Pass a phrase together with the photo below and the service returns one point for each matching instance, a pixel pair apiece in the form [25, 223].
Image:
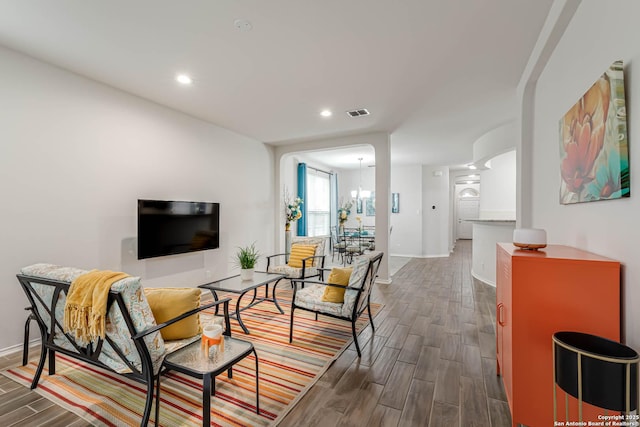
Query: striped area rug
[287, 371]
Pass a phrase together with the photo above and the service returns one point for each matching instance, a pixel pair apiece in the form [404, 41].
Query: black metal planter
[595, 370]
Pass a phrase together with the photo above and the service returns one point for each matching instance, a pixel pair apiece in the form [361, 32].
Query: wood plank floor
[430, 362]
[20, 406]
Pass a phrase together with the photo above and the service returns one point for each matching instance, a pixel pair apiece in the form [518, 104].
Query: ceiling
[436, 74]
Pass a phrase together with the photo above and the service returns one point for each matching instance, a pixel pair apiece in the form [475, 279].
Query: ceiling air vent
[358, 113]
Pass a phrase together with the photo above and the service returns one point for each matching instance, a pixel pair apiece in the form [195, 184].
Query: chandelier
[360, 193]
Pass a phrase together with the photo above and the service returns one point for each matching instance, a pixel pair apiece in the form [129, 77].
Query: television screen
[168, 228]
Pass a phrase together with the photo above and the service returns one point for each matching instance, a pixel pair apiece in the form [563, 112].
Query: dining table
[357, 240]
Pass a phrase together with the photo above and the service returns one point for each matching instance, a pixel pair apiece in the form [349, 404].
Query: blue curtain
[302, 193]
[333, 179]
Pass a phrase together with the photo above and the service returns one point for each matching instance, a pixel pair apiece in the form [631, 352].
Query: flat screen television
[169, 227]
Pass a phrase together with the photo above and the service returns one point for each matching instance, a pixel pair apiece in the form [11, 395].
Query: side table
[598, 371]
[192, 361]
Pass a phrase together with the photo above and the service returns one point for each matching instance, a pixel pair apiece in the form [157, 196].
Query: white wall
[498, 188]
[485, 237]
[436, 211]
[594, 38]
[76, 155]
[406, 237]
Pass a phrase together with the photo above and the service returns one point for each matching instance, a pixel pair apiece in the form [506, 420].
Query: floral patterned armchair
[133, 345]
[357, 295]
[311, 266]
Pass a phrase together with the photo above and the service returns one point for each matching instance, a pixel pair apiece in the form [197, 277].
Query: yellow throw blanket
[85, 310]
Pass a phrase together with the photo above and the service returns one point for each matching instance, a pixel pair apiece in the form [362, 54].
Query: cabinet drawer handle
[501, 314]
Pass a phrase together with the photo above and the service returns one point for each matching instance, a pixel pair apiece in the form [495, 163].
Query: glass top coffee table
[192, 360]
[236, 285]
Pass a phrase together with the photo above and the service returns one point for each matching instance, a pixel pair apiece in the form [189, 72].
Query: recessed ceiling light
[184, 79]
[472, 167]
[473, 176]
[326, 113]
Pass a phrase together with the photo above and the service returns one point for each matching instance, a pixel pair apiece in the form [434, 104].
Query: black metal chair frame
[362, 301]
[319, 265]
[336, 238]
[91, 352]
[25, 344]
[355, 243]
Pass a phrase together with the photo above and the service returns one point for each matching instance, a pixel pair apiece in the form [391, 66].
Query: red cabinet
[558, 288]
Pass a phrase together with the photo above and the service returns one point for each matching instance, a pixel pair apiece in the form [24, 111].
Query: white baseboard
[483, 279]
[384, 282]
[437, 256]
[17, 347]
[421, 256]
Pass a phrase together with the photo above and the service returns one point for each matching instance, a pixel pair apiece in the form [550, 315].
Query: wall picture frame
[358, 205]
[395, 202]
[371, 205]
[594, 153]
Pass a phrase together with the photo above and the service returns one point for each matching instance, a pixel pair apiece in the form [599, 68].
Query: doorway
[467, 208]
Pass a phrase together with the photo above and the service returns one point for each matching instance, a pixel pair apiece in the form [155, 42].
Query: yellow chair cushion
[338, 276]
[298, 252]
[167, 303]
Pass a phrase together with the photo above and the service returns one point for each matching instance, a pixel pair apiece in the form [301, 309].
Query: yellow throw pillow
[167, 303]
[298, 252]
[338, 276]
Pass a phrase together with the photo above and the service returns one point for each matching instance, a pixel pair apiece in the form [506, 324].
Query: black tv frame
[172, 227]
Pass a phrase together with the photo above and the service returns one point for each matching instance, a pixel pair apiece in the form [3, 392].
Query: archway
[381, 145]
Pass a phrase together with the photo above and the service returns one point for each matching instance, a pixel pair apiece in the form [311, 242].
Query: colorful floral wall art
[594, 155]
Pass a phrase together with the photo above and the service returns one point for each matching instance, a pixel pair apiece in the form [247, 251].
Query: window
[318, 203]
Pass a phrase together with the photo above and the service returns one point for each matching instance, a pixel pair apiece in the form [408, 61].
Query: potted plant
[246, 258]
